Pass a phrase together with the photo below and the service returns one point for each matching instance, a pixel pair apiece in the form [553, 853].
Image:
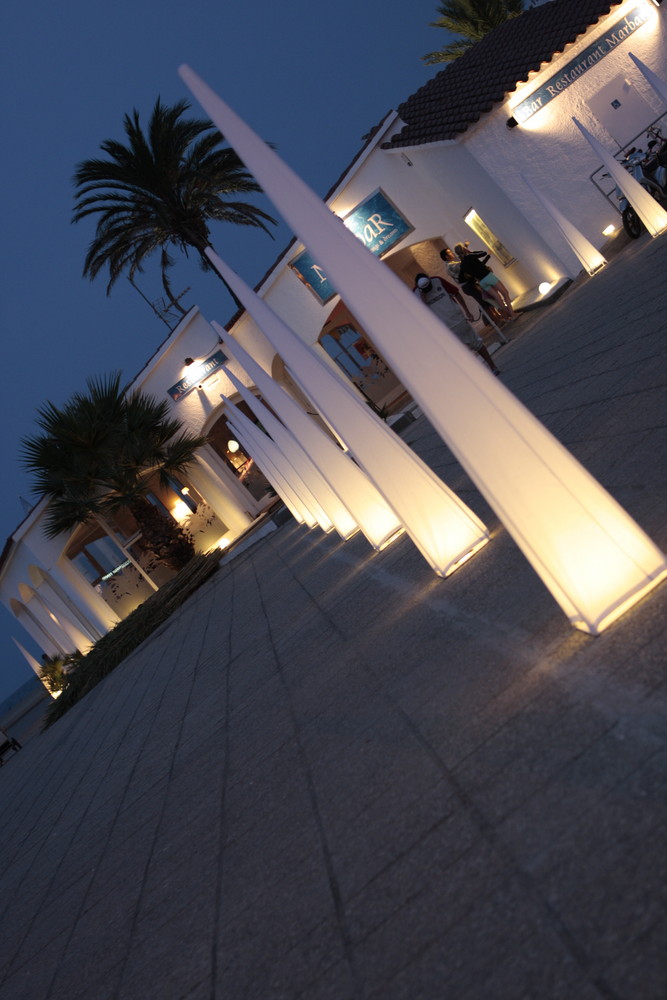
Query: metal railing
[598, 177]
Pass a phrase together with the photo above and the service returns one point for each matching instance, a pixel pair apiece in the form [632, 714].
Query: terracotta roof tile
[470, 86]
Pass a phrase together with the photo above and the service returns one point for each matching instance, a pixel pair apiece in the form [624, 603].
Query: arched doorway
[347, 344]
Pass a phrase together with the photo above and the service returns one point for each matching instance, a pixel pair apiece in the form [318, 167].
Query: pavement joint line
[90, 764]
[334, 886]
[122, 966]
[523, 876]
[112, 826]
[224, 783]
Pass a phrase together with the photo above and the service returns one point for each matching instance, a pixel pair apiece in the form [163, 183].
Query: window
[99, 559]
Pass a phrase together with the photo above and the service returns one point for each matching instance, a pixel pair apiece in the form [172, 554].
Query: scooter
[650, 169]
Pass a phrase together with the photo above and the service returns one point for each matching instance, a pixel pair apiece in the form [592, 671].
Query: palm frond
[159, 189]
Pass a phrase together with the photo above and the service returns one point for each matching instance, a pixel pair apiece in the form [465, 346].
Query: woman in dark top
[473, 267]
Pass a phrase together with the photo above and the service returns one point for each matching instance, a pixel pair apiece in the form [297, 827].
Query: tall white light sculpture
[368, 508]
[658, 85]
[444, 530]
[301, 462]
[590, 256]
[279, 484]
[267, 447]
[594, 558]
[647, 208]
[271, 462]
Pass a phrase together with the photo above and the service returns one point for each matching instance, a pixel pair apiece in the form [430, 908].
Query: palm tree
[160, 190]
[97, 454]
[472, 19]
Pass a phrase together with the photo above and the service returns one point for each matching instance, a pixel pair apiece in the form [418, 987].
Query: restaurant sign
[195, 377]
[590, 57]
[376, 222]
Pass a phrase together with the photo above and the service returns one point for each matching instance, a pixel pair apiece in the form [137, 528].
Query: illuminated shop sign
[194, 377]
[590, 57]
[376, 222]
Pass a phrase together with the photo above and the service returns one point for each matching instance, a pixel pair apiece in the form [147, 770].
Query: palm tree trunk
[128, 555]
[162, 535]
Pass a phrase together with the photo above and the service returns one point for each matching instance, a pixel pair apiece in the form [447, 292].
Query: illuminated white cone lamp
[590, 256]
[656, 83]
[369, 510]
[271, 462]
[444, 530]
[298, 510]
[294, 504]
[281, 463]
[596, 561]
[647, 208]
[303, 465]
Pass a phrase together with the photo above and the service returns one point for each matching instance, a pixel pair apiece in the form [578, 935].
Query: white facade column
[80, 591]
[59, 597]
[42, 635]
[70, 631]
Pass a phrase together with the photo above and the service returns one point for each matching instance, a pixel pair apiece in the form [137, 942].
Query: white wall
[550, 150]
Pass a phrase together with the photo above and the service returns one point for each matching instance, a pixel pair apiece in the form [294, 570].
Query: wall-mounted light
[609, 230]
[544, 287]
[511, 123]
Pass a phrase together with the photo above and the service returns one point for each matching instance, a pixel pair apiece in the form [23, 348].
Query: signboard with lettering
[313, 277]
[376, 222]
[194, 377]
[590, 57]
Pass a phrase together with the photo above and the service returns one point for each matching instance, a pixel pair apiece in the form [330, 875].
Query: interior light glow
[233, 446]
[608, 230]
[180, 510]
[223, 543]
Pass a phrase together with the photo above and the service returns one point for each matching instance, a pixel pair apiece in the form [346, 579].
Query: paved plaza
[333, 776]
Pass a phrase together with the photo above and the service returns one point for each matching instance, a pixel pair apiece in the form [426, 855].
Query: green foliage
[160, 190]
[472, 19]
[109, 651]
[96, 453]
[54, 670]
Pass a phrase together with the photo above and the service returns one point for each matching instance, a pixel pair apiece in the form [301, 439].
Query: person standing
[473, 265]
[446, 301]
[488, 305]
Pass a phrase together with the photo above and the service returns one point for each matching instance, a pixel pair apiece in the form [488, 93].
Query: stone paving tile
[641, 973]
[268, 959]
